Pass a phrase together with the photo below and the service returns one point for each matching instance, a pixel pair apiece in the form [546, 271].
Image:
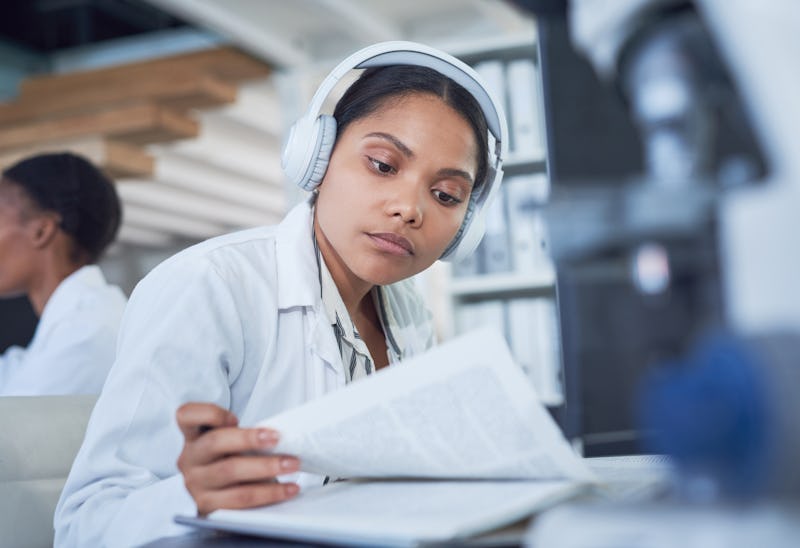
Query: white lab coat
[73, 346]
[237, 321]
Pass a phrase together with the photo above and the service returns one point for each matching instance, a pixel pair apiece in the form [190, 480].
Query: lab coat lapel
[298, 278]
[299, 285]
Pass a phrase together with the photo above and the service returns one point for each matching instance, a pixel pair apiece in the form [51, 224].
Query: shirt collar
[66, 297]
[295, 259]
[387, 317]
[66, 293]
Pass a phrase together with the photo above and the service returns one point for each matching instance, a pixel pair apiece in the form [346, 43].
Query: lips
[392, 243]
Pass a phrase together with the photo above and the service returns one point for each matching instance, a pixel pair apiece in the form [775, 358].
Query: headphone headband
[400, 52]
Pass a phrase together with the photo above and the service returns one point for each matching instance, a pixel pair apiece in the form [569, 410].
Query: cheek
[335, 215]
[339, 187]
[449, 228]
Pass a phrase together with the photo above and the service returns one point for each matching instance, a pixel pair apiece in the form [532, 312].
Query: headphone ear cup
[307, 150]
[326, 137]
[471, 235]
[474, 225]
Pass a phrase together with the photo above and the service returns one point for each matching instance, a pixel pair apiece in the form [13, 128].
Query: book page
[631, 477]
[462, 410]
[400, 512]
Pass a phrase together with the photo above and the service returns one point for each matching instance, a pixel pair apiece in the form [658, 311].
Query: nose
[406, 203]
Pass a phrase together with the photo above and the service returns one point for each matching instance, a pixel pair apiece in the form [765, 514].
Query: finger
[246, 496]
[222, 442]
[243, 469]
[195, 418]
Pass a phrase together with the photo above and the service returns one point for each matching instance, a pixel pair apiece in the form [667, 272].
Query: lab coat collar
[298, 276]
[64, 299]
[298, 281]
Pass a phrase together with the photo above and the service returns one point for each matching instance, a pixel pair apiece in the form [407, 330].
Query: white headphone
[311, 139]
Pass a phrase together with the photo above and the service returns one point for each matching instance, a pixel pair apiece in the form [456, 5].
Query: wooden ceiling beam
[172, 91]
[136, 123]
[117, 159]
[226, 64]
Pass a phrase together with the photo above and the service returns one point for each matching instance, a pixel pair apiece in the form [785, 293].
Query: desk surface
[511, 537]
[601, 524]
[210, 539]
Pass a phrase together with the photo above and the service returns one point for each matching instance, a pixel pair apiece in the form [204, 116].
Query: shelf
[492, 285]
[523, 44]
[525, 163]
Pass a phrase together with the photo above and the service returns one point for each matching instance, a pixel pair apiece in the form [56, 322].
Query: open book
[457, 437]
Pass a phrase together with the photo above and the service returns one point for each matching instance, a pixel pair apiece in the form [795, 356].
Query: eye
[381, 167]
[446, 198]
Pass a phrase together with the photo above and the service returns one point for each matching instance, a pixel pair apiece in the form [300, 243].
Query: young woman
[58, 214]
[247, 325]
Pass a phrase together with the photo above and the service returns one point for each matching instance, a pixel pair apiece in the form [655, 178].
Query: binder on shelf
[472, 315]
[527, 228]
[513, 258]
[533, 337]
[496, 244]
[493, 73]
[524, 117]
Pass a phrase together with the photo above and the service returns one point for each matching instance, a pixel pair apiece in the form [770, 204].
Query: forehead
[414, 100]
[421, 115]
[14, 197]
[8, 191]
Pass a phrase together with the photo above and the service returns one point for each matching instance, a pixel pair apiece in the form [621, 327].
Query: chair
[39, 438]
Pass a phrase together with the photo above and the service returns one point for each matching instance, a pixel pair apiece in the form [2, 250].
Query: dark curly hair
[81, 194]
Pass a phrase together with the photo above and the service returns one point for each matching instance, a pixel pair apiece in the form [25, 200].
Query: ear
[43, 230]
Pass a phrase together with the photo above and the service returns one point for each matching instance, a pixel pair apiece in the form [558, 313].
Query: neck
[352, 289]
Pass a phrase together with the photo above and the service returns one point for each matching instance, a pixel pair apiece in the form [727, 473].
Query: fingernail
[289, 465]
[267, 437]
[290, 489]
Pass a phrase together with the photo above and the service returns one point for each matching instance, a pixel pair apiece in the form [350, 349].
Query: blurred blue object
[712, 413]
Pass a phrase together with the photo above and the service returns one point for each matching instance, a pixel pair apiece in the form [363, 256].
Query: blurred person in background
[58, 214]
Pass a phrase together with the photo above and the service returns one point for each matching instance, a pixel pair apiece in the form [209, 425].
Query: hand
[218, 469]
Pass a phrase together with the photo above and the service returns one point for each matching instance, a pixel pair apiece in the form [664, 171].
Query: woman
[58, 214]
[250, 324]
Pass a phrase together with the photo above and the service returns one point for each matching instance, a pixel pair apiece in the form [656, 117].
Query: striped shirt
[355, 355]
[406, 322]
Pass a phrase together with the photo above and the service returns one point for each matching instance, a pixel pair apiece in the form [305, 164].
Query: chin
[386, 279]
[387, 274]
[384, 275]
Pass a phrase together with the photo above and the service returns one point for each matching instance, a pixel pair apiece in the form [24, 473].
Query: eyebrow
[401, 146]
[451, 172]
[408, 153]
